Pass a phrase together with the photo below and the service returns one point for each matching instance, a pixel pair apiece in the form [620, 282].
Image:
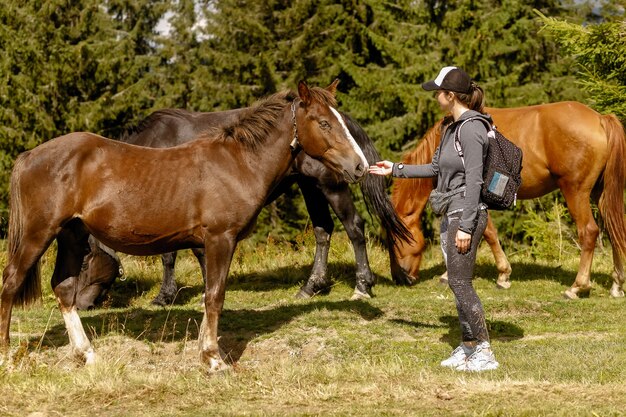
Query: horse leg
[341, 202]
[617, 289]
[199, 254]
[21, 278]
[72, 247]
[221, 250]
[323, 226]
[167, 293]
[502, 263]
[580, 210]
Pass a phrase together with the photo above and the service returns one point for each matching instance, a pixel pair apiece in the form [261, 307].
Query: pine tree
[71, 65]
[100, 66]
[600, 52]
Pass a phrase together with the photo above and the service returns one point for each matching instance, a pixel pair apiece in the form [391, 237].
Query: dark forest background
[102, 66]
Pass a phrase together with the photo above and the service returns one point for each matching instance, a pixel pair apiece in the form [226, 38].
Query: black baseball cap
[450, 79]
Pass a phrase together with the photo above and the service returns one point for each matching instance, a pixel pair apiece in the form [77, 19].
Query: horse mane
[407, 191]
[423, 153]
[374, 187]
[254, 124]
[323, 96]
[151, 120]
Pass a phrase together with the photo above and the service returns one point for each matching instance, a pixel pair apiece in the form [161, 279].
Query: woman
[459, 172]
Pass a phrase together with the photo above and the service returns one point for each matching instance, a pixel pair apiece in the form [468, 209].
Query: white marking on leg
[78, 338]
[210, 352]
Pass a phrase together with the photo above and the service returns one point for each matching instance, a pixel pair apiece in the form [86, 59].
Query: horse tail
[30, 291]
[374, 189]
[611, 202]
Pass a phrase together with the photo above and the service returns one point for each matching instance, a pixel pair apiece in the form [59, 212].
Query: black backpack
[501, 169]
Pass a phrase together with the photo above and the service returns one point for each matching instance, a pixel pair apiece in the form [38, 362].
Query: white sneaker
[458, 357]
[482, 359]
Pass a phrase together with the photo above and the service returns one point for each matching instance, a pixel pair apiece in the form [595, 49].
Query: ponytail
[475, 99]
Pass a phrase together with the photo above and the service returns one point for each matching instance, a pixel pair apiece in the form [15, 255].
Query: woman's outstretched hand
[381, 168]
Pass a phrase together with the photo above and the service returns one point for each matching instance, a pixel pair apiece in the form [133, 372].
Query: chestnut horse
[567, 146]
[82, 184]
[320, 187]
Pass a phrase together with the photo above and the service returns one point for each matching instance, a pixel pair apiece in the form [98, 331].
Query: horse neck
[270, 161]
[409, 196]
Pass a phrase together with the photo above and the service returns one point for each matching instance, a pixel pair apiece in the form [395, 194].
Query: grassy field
[326, 355]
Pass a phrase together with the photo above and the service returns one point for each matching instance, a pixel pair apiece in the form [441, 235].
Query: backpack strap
[457, 142]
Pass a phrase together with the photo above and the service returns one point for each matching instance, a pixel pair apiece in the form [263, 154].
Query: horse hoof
[503, 285]
[217, 366]
[616, 292]
[162, 300]
[216, 363]
[570, 295]
[360, 295]
[402, 278]
[158, 302]
[90, 357]
[443, 280]
[576, 293]
[302, 294]
[309, 290]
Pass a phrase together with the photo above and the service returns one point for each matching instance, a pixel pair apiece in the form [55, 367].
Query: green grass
[327, 355]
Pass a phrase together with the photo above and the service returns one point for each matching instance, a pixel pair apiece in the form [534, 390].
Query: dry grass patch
[327, 356]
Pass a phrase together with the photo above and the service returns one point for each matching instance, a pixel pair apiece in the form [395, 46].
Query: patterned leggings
[460, 273]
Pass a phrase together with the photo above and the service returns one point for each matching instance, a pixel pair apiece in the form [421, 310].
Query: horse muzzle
[355, 175]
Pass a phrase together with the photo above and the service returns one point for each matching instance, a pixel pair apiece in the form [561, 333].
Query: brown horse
[567, 146]
[82, 184]
[321, 188]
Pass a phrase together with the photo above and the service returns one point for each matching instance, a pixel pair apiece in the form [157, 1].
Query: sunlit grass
[327, 355]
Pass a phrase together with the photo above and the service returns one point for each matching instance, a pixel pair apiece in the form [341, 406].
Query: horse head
[323, 134]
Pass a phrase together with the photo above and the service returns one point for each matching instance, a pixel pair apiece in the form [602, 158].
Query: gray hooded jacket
[449, 170]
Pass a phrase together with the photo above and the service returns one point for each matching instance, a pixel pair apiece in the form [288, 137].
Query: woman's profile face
[445, 100]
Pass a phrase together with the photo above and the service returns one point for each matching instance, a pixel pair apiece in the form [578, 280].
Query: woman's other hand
[381, 168]
[463, 241]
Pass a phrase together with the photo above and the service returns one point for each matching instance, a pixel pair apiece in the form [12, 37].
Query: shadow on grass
[498, 330]
[236, 327]
[521, 272]
[123, 293]
[529, 271]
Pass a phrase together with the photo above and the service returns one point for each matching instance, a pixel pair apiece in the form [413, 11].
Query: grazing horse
[82, 183]
[319, 185]
[567, 146]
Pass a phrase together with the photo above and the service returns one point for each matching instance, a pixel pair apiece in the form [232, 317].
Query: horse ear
[332, 88]
[305, 94]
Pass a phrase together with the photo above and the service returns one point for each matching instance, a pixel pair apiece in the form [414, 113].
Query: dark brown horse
[82, 184]
[566, 146]
[320, 187]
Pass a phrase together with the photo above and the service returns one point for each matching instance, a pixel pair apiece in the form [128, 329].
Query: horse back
[171, 127]
[83, 169]
[560, 141]
[109, 184]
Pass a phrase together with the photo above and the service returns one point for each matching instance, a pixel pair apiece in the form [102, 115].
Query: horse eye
[324, 125]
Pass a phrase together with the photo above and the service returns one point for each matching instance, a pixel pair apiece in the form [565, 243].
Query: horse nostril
[360, 170]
